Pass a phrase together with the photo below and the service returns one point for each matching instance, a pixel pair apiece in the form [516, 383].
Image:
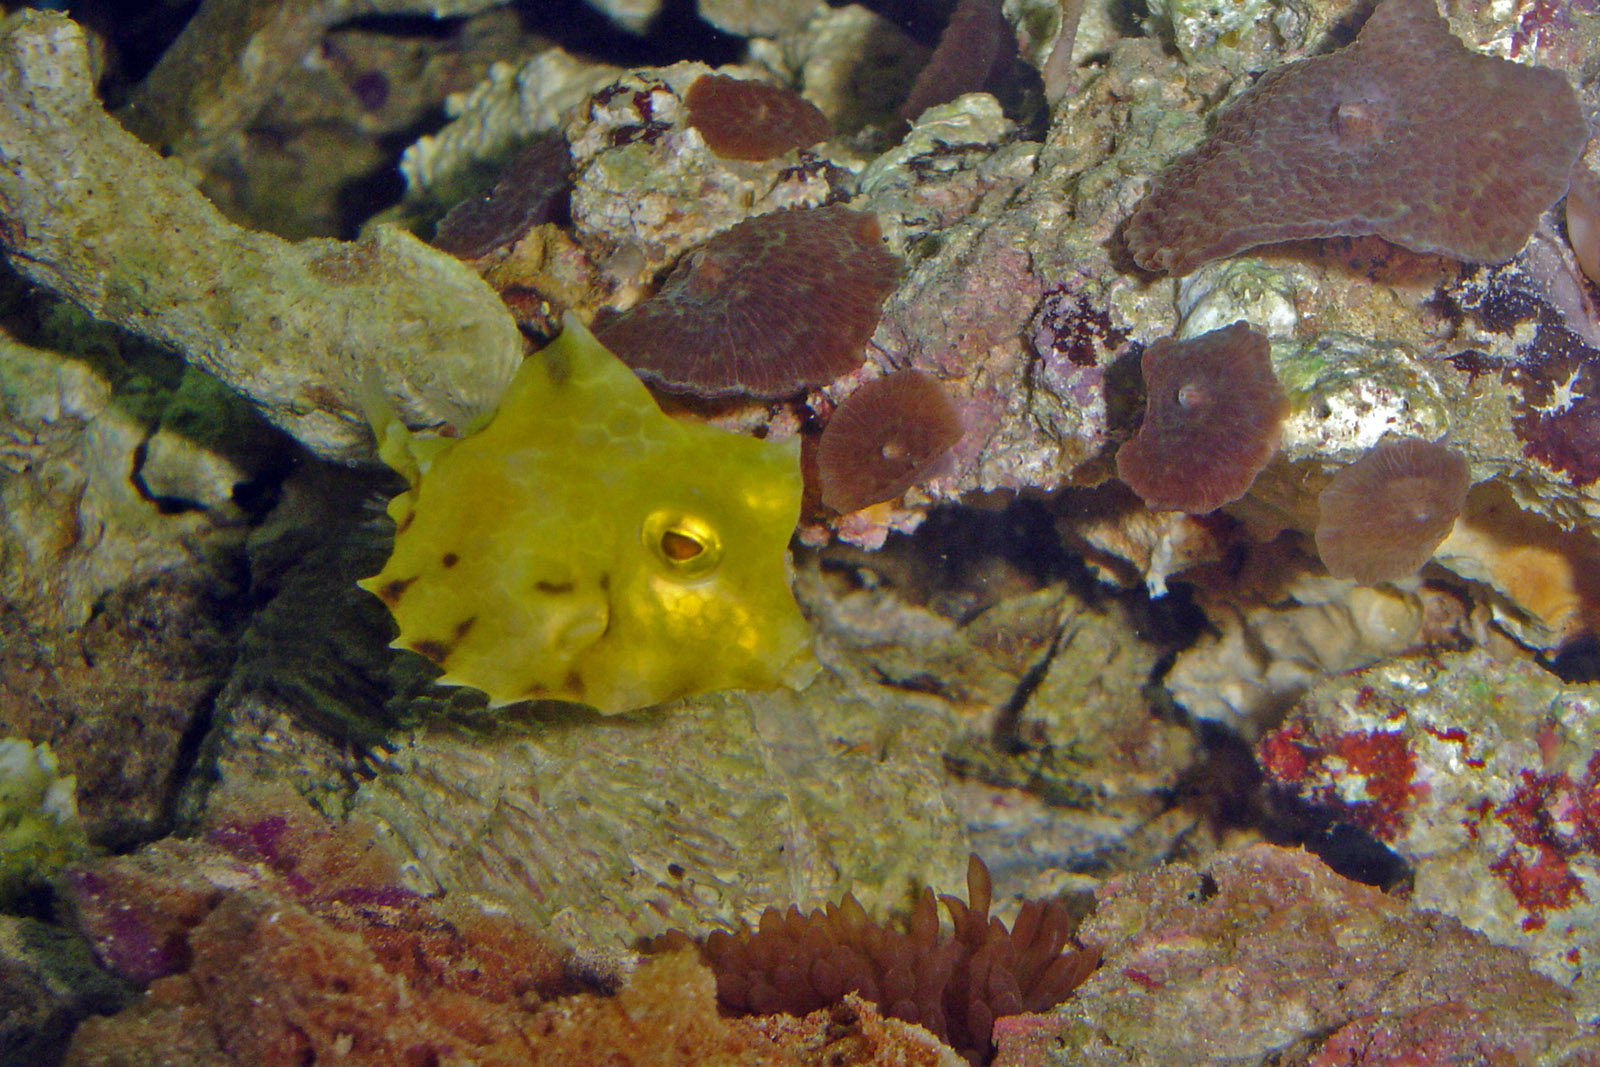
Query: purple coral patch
[1556, 373]
[1405, 134]
[1069, 326]
[775, 305]
[1212, 420]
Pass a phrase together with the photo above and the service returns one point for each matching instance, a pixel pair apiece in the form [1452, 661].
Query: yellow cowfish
[584, 546]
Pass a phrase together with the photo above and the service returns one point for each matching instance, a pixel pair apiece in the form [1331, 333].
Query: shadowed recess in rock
[953, 982]
[1383, 515]
[1405, 134]
[886, 437]
[775, 305]
[742, 119]
[1213, 416]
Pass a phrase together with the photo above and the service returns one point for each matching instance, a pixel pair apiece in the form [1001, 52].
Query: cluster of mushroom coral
[768, 310]
[1346, 144]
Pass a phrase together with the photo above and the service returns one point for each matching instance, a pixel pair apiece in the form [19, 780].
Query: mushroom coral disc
[584, 546]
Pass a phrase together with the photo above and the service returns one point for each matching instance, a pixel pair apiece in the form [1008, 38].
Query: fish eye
[685, 544]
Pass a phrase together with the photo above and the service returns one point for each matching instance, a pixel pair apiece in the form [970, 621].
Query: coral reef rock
[96, 216]
[1265, 951]
[1480, 773]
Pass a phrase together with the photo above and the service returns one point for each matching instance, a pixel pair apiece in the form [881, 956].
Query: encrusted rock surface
[1481, 773]
[97, 217]
[1265, 953]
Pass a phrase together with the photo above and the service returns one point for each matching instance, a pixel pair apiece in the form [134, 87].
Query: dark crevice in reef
[677, 33]
[1227, 788]
[137, 33]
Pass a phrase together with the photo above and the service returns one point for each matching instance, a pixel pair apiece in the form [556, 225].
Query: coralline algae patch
[1484, 775]
[1553, 371]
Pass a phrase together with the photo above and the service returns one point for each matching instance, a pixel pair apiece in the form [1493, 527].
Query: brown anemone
[884, 438]
[1383, 515]
[1212, 420]
[955, 982]
[773, 306]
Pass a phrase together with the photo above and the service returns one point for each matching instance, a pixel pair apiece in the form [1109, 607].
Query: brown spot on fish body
[553, 588]
[464, 627]
[448, 560]
[437, 651]
[391, 592]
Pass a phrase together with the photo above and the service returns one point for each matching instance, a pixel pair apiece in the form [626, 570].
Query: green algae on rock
[1405, 134]
[39, 827]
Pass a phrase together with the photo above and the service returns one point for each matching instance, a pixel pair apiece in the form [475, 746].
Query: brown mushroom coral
[976, 47]
[531, 189]
[1405, 134]
[955, 983]
[884, 438]
[1213, 416]
[1383, 515]
[1583, 220]
[775, 305]
[742, 119]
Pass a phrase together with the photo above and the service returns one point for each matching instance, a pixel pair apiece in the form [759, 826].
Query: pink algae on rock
[884, 438]
[1405, 134]
[742, 119]
[1383, 515]
[777, 304]
[1212, 420]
